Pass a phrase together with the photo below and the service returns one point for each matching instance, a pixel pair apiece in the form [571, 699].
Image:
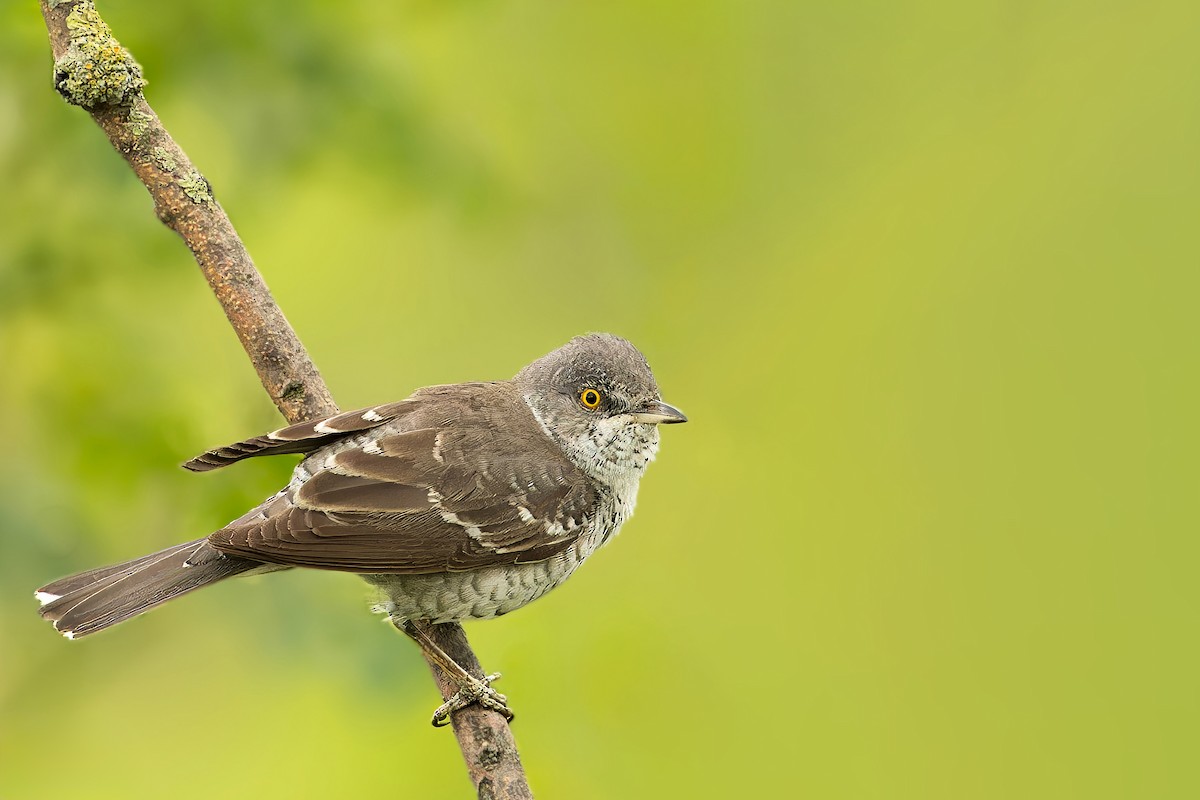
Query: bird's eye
[590, 399]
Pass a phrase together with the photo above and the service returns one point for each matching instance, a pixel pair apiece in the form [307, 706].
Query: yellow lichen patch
[96, 69]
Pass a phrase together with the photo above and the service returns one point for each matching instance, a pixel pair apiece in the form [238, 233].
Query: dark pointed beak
[656, 411]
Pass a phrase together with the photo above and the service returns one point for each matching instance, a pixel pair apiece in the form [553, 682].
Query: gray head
[597, 397]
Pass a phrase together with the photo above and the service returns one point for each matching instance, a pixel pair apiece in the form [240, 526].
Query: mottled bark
[93, 71]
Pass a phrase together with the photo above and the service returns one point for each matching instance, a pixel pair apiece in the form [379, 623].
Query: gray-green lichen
[164, 160]
[95, 70]
[197, 188]
[138, 122]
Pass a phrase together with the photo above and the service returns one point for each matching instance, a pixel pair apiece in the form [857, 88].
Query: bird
[460, 502]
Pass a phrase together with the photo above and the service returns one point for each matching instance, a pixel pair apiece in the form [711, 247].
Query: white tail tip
[45, 597]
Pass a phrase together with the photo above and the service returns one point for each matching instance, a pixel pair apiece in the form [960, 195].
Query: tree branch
[92, 70]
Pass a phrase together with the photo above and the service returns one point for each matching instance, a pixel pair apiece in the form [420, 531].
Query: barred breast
[475, 594]
[492, 591]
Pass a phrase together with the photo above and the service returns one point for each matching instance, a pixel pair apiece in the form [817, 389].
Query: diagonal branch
[92, 70]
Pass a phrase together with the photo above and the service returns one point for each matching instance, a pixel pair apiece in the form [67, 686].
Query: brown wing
[478, 484]
[303, 437]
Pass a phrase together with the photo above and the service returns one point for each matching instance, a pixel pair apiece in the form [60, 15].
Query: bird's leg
[470, 689]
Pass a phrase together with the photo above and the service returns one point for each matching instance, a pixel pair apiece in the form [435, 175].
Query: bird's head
[597, 398]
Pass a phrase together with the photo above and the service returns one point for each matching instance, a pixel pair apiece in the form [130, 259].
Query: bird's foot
[472, 690]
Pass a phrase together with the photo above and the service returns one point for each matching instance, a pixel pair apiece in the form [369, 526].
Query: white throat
[614, 451]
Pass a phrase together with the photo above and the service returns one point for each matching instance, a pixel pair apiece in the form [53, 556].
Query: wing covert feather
[445, 487]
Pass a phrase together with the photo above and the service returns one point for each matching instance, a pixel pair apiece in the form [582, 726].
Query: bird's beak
[657, 411]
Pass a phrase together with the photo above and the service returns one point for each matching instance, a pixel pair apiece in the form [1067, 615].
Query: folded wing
[303, 437]
[453, 496]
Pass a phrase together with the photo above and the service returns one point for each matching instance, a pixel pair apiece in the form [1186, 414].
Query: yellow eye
[590, 399]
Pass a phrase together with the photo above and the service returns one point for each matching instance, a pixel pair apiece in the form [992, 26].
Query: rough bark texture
[93, 71]
[483, 736]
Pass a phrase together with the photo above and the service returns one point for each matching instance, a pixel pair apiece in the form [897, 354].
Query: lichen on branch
[92, 70]
[95, 70]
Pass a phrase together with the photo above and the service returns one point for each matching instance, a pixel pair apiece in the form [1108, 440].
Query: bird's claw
[473, 691]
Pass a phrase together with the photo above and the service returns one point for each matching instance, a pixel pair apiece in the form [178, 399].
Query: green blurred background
[923, 274]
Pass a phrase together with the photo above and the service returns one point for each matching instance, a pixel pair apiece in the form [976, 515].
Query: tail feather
[97, 599]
